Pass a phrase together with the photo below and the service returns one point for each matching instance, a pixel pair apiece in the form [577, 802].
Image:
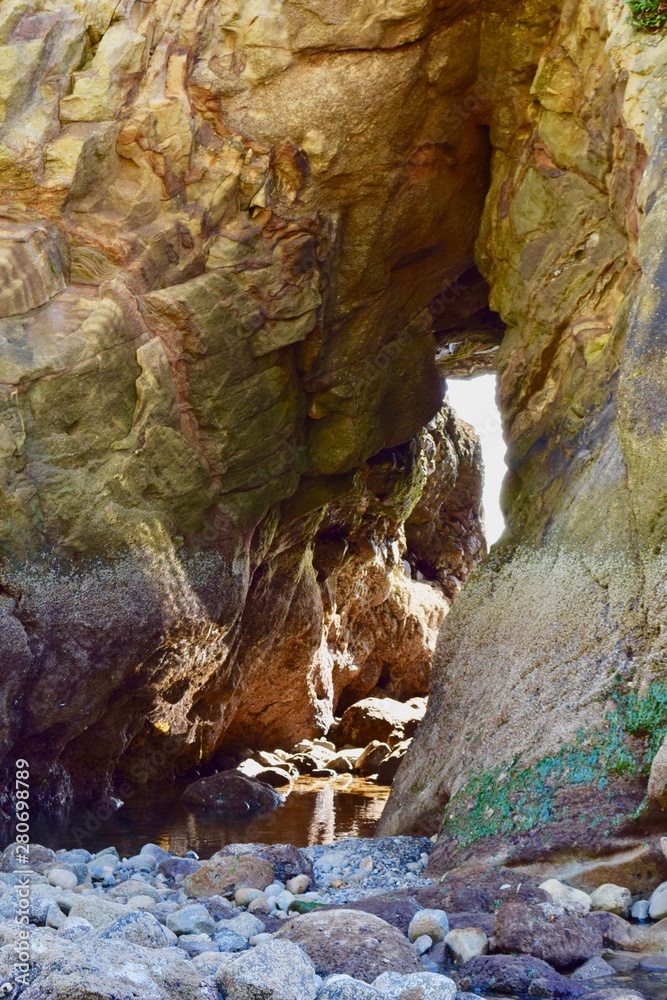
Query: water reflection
[315, 812]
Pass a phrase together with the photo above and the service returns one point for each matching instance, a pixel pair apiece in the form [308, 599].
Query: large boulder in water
[232, 792]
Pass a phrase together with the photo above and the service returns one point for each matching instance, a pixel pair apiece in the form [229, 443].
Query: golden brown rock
[550, 694]
[222, 225]
[222, 876]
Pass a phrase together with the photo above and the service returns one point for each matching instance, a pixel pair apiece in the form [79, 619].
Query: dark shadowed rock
[372, 757]
[219, 908]
[38, 859]
[594, 968]
[178, 868]
[396, 910]
[514, 975]
[356, 944]
[477, 887]
[232, 792]
[275, 776]
[563, 940]
[388, 767]
[471, 918]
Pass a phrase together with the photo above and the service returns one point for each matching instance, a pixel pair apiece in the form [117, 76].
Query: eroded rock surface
[550, 698]
[221, 228]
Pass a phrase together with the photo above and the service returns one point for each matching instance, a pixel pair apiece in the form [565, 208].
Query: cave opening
[474, 400]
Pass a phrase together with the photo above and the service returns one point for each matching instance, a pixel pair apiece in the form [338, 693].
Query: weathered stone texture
[550, 688]
[221, 227]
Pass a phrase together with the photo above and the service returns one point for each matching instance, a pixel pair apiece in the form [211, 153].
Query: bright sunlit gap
[474, 401]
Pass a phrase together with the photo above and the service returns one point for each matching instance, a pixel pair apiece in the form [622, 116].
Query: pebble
[156, 852]
[431, 922]
[594, 968]
[62, 878]
[422, 944]
[391, 856]
[639, 910]
[245, 896]
[259, 939]
[245, 924]
[572, 900]
[141, 902]
[284, 899]
[260, 906]
[141, 862]
[419, 986]
[657, 904]
[274, 889]
[191, 920]
[196, 944]
[228, 940]
[466, 943]
[298, 885]
[612, 899]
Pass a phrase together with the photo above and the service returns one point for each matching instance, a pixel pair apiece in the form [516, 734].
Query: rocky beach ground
[359, 919]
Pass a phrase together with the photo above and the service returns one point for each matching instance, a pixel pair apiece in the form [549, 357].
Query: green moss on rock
[510, 798]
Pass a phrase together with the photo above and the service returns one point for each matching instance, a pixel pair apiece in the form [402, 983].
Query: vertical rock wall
[550, 697]
[221, 226]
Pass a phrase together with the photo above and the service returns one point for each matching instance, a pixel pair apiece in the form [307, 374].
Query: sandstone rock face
[549, 699]
[221, 228]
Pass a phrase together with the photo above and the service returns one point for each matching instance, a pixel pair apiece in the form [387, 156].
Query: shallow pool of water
[315, 812]
[653, 985]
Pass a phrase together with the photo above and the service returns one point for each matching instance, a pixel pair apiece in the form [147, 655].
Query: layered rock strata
[550, 699]
[222, 226]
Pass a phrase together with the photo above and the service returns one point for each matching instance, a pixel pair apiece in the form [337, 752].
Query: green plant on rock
[648, 15]
[510, 798]
[647, 717]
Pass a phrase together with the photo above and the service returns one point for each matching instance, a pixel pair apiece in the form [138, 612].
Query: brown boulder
[276, 777]
[372, 757]
[516, 975]
[397, 910]
[223, 875]
[357, 944]
[473, 918]
[285, 859]
[233, 792]
[619, 933]
[477, 887]
[379, 719]
[563, 941]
